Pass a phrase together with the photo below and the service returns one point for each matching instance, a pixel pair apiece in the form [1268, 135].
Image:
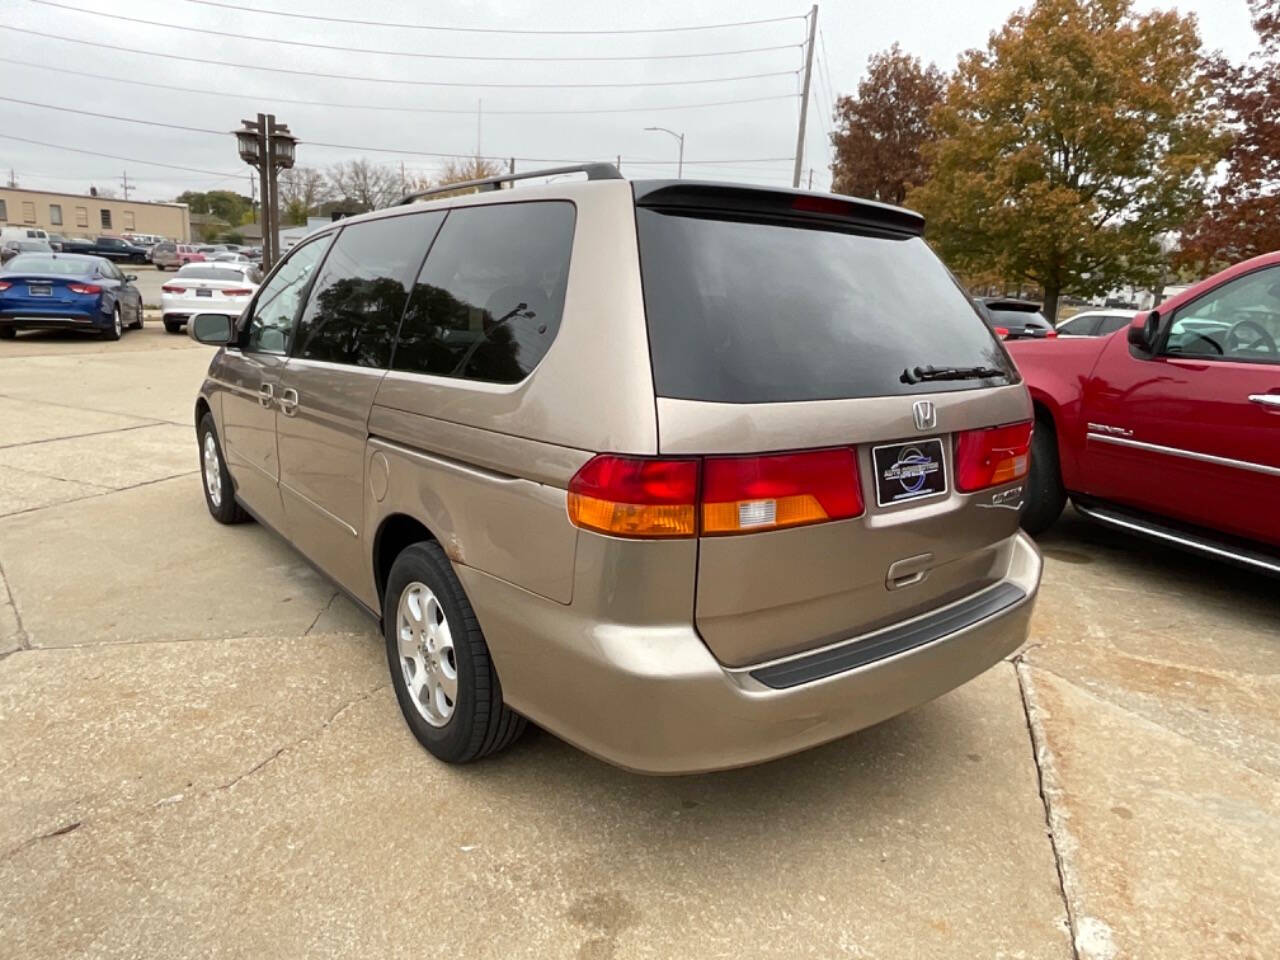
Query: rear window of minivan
[750, 312]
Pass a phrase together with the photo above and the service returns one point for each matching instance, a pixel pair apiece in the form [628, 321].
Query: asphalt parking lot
[200, 753]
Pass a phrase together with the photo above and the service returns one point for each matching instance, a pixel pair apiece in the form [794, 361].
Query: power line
[363, 147]
[512, 32]
[468, 111]
[221, 174]
[399, 82]
[406, 53]
[112, 116]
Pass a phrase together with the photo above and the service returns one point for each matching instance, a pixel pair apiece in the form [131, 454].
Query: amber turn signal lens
[988, 458]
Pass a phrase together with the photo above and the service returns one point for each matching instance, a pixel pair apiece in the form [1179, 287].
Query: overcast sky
[759, 137]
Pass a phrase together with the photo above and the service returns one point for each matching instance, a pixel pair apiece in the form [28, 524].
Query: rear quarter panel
[1056, 373]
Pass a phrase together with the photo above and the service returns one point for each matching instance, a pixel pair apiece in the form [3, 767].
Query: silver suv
[691, 474]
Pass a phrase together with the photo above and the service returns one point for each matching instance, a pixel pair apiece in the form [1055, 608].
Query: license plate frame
[909, 471]
[40, 289]
[203, 292]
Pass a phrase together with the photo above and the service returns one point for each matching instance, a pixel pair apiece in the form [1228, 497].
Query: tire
[137, 325]
[1045, 495]
[475, 722]
[219, 493]
[116, 330]
[173, 326]
[7, 333]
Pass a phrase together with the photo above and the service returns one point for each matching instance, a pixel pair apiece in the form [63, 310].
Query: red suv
[1171, 430]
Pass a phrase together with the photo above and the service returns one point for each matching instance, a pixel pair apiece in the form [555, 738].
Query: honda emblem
[924, 414]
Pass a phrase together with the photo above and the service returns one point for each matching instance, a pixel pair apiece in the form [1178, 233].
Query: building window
[4, 211]
[82, 216]
[28, 211]
[128, 219]
[55, 214]
[106, 218]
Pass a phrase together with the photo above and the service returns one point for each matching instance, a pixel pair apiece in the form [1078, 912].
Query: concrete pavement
[200, 754]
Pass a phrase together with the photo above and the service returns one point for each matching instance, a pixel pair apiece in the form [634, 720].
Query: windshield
[211, 273]
[34, 263]
[743, 312]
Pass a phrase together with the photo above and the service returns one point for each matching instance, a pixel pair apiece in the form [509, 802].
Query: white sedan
[1095, 323]
[207, 288]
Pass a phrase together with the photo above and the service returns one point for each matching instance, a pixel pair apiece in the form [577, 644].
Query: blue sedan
[67, 291]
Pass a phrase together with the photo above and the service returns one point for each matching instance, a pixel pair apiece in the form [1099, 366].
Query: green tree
[1079, 134]
[881, 132]
[224, 204]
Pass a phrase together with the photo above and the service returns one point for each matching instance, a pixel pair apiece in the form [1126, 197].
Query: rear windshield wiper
[921, 374]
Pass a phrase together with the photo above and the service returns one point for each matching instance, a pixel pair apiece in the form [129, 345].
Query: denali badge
[924, 415]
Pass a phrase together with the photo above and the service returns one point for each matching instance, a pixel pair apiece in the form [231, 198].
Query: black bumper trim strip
[859, 653]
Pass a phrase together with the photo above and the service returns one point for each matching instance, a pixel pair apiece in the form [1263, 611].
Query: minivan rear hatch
[782, 323]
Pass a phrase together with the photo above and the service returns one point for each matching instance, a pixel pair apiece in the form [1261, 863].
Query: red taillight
[237, 293]
[1002, 332]
[742, 494]
[173, 288]
[4, 285]
[644, 497]
[84, 288]
[987, 458]
[1050, 334]
[636, 497]
[809, 203]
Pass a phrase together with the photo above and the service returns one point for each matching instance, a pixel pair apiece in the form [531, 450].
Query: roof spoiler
[594, 171]
[757, 203]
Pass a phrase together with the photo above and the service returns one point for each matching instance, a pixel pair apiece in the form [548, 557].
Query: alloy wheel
[212, 470]
[427, 656]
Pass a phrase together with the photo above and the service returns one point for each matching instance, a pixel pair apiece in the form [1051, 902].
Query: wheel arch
[395, 532]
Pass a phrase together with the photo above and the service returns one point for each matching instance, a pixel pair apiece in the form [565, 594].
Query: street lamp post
[269, 147]
[679, 137]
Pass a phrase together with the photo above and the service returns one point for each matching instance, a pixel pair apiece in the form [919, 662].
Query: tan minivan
[690, 474]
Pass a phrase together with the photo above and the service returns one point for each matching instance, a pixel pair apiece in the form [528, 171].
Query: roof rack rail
[594, 171]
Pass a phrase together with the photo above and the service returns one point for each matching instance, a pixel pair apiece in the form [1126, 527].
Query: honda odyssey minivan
[692, 475]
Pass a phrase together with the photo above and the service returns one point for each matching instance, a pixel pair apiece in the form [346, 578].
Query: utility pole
[804, 101]
[253, 198]
[124, 183]
[618, 164]
[811, 178]
[13, 179]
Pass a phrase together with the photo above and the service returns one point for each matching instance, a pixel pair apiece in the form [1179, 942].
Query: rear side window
[488, 302]
[1112, 324]
[744, 312]
[1080, 326]
[361, 291]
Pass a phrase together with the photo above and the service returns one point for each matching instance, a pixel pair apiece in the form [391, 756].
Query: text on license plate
[204, 293]
[909, 471]
[40, 289]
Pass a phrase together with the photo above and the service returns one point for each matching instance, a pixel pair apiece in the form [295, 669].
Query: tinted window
[35, 263]
[1079, 326]
[1019, 319]
[357, 300]
[211, 273]
[1110, 324]
[487, 304]
[276, 307]
[750, 312]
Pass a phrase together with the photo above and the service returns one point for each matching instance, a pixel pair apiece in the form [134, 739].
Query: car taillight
[1002, 332]
[743, 494]
[4, 285]
[173, 288]
[1050, 334]
[237, 293]
[84, 288]
[989, 457]
[635, 497]
[646, 497]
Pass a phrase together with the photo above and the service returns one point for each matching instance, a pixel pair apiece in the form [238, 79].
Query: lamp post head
[282, 146]
[247, 143]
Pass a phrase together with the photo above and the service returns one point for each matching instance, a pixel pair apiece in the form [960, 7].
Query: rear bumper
[67, 319]
[653, 699]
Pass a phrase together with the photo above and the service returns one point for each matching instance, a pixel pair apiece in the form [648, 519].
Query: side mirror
[215, 329]
[1142, 331]
[131, 276]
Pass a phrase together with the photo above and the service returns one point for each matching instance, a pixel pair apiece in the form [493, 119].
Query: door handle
[266, 393]
[288, 401]
[1266, 399]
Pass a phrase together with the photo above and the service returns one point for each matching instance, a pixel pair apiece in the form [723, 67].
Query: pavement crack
[323, 611]
[32, 841]
[94, 496]
[24, 639]
[80, 436]
[1039, 753]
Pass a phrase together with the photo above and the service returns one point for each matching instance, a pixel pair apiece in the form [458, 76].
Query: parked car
[169, 255]
[1171, 430]
[1095, 323]
[222, 288]
[1015, 319]
[693, 475]
[210, 249]
[228, 257]
[11, 248]
[22, 233]
[68, 291]
[111, 248]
